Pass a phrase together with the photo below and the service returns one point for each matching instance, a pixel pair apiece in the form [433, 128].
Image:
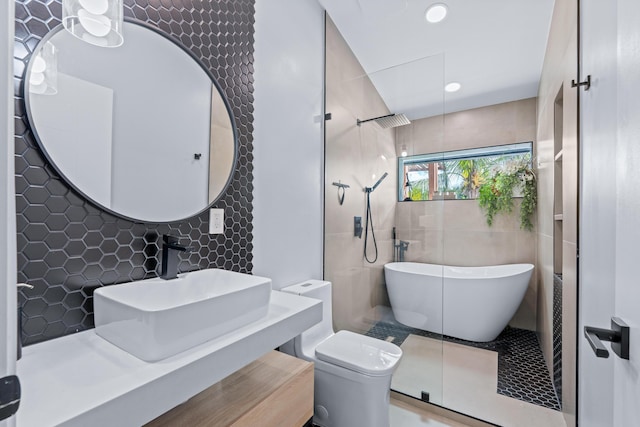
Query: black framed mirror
[142, 130]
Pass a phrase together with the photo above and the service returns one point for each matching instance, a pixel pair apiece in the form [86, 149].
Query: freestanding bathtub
[471, 303]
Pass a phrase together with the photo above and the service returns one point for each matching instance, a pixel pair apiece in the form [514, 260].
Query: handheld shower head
[369, 220]
[370, 189]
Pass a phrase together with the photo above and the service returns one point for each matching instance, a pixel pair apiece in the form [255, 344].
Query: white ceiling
[494, 48]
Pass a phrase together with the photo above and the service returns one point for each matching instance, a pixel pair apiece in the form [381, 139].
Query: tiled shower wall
[67, 247]
[559, 68]
[455, 232]
[356, 156]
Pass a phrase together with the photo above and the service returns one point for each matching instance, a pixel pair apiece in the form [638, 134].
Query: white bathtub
[471, 303]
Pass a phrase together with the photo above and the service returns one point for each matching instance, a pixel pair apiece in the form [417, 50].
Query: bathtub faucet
[399, 250]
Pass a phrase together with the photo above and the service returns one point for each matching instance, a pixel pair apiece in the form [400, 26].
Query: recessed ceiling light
[436, 12]
[453, 87]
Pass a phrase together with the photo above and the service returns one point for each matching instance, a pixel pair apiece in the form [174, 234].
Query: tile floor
[522, 372]
[467, 379]
[402, 414]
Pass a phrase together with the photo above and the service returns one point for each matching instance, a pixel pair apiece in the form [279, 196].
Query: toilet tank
[304, 345]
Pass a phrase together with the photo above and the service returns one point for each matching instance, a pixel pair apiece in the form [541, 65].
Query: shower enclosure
[423, 169]
[362, 151]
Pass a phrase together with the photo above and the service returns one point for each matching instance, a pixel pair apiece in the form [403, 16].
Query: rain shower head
[388, 121]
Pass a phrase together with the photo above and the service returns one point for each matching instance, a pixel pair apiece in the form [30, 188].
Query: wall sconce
[43, 78]
[98, 22]
[403, 149]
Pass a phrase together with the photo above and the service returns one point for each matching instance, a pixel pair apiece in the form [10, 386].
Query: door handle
[9, 396]
[618, 335]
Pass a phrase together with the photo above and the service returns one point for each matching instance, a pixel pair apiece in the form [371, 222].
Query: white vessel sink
[153, 319]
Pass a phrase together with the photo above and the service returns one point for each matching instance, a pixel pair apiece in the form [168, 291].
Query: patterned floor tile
[522, 372]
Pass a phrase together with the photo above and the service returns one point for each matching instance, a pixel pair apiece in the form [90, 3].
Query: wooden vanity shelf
[273, 391]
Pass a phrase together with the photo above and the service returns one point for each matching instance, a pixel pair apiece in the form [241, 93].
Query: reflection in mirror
[142, 130]
[455, 175]
[44, 72]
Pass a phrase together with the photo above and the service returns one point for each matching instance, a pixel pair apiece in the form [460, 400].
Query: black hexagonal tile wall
[67, 247]
[557, 334]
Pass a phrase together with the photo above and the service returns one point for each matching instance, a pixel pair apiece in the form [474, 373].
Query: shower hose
[369, 219]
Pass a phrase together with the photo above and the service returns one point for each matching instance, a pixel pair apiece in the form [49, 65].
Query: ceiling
[494, 48]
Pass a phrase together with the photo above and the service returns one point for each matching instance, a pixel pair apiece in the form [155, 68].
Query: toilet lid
[359, 353]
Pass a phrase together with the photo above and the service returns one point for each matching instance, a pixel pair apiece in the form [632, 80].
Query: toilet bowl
[352, 372]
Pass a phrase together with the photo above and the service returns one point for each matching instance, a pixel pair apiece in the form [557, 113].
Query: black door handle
[618, 335]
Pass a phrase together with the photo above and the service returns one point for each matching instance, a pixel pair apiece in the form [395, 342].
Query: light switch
[216, 221]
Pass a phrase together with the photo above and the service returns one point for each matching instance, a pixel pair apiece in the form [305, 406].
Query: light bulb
[436, 13]
[36, 78]
[97, 41]
[403, 153]
[39, 65]
[97, 25]
[453, 87]
[96, 7]
[38, 89]
[98, 22]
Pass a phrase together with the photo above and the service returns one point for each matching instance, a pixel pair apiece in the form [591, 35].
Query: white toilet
[352, 371]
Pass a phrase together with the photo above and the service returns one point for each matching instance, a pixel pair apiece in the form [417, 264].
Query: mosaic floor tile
[557, 334]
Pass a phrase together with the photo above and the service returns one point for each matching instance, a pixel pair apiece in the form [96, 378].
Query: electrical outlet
[216, 221]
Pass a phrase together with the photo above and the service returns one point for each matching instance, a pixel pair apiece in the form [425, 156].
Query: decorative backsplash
[67, 247]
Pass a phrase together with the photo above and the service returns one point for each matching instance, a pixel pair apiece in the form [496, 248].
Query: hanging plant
[496, 194]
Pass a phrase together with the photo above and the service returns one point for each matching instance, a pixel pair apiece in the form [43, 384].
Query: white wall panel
[288, 141]
[627, 295]
[598, 204]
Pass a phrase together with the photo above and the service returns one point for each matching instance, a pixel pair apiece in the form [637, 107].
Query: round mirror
[142, 130]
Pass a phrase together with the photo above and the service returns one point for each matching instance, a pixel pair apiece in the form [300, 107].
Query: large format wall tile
[455, 232]
[356, 156]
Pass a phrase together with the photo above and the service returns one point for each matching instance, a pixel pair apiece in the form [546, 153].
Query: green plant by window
[496, 194]
[457, 174]
[420, 190]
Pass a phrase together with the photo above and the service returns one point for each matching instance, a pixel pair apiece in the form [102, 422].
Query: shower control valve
[357, 226]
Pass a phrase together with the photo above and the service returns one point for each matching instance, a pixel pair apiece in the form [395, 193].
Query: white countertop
[82, 380]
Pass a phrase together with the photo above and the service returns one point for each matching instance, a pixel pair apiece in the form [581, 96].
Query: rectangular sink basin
[154, 319]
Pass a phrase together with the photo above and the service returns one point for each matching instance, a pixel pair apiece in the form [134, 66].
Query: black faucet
[400, 249]
[170, 249]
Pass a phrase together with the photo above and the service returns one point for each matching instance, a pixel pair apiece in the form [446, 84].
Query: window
[455, 174]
